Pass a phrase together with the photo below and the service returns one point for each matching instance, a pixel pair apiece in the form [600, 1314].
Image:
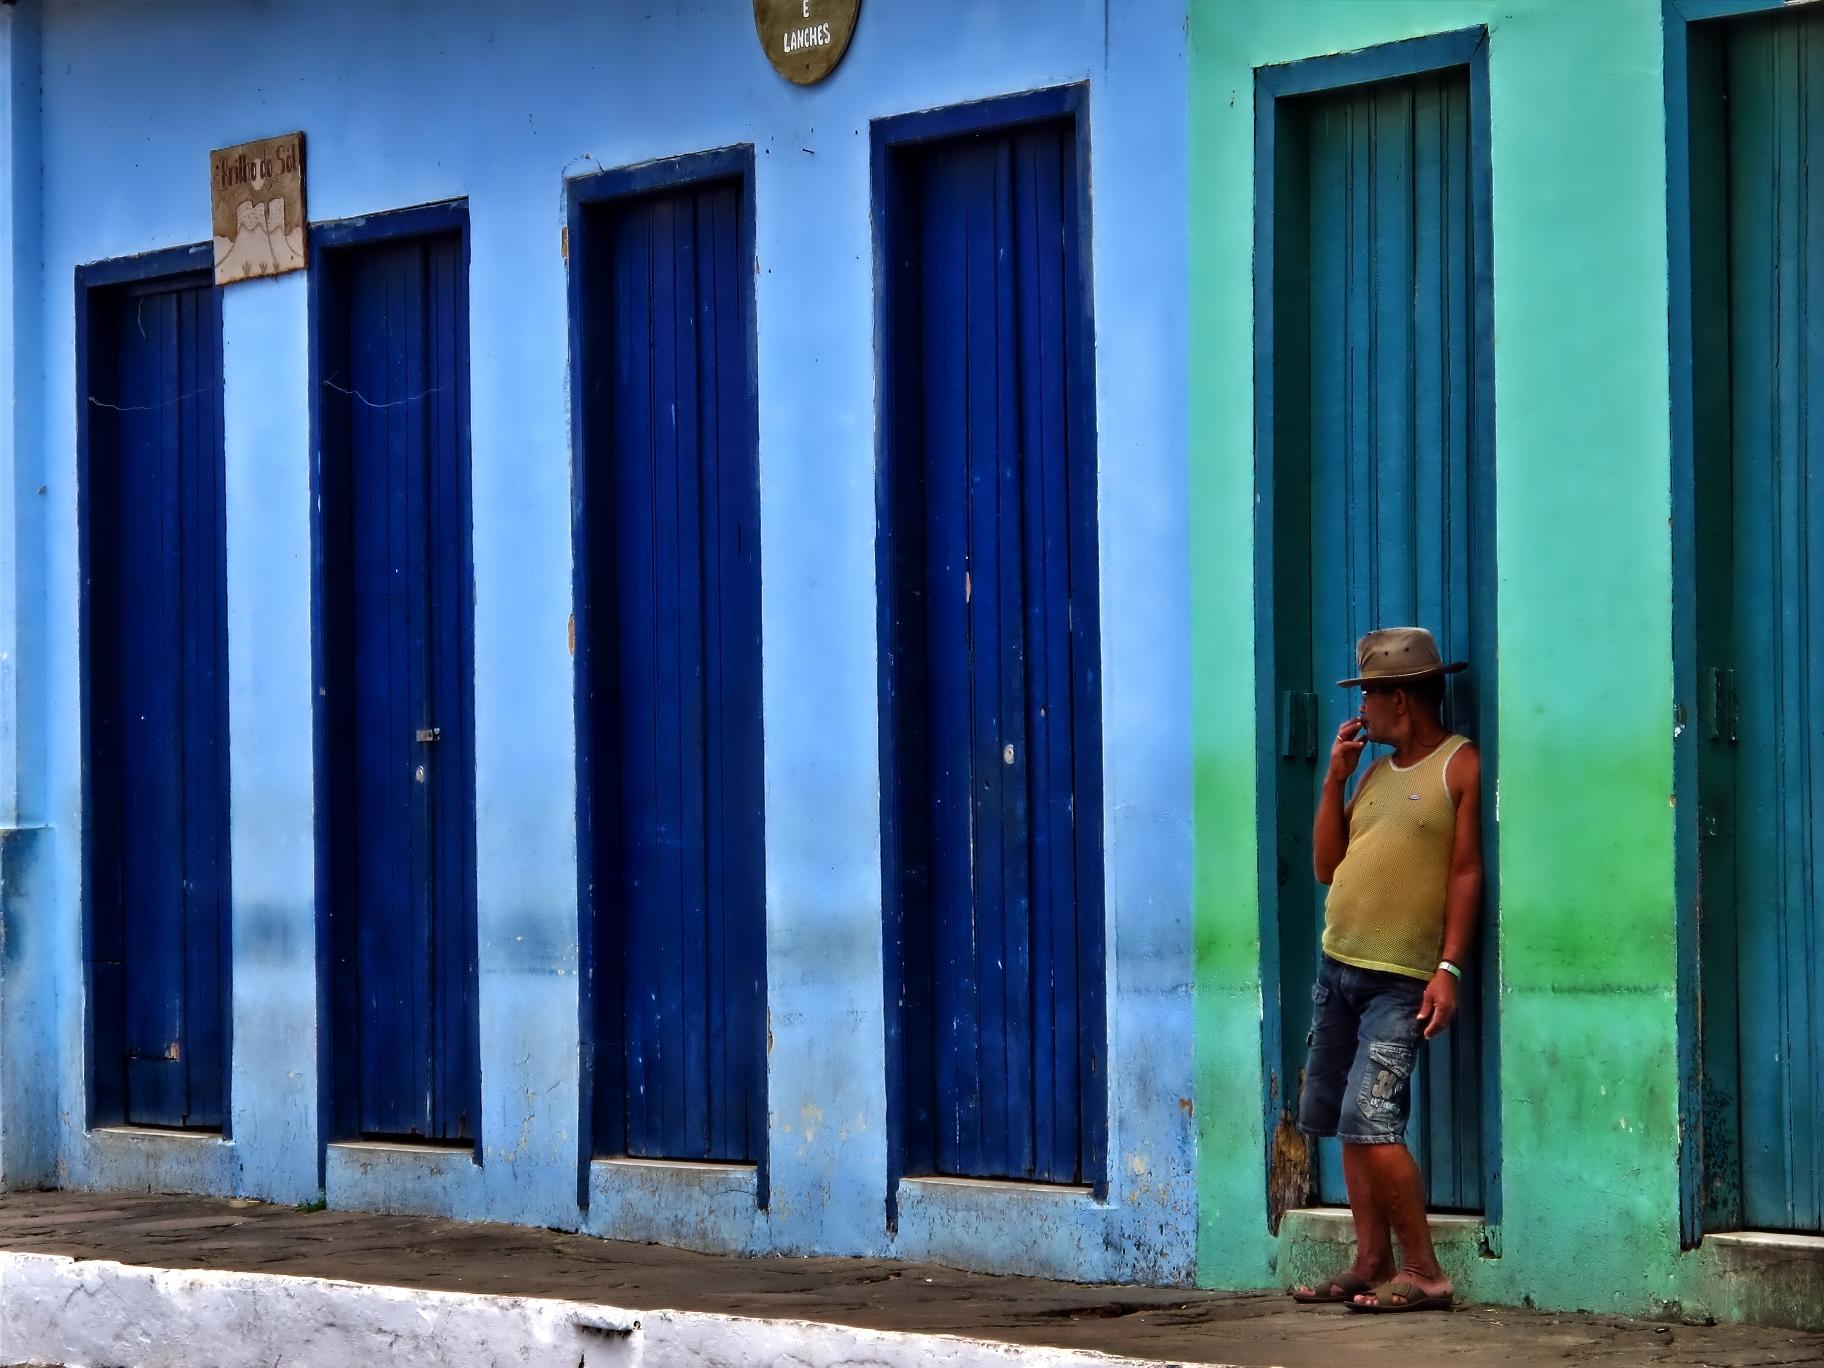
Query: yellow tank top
[1386, 904]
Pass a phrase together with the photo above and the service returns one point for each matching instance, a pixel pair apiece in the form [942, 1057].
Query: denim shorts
[1365, 1038]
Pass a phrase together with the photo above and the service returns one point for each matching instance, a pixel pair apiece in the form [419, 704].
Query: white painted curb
[99, 1314]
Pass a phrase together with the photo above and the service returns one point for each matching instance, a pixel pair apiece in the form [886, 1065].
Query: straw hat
[1398, 655]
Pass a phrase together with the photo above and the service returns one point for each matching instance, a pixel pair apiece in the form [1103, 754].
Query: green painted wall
[1589, 1070]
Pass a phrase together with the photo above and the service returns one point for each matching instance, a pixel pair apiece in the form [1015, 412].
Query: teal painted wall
[1586, 906]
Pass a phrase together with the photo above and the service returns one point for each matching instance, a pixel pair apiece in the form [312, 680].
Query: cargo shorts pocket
[1320, 994]
[1381, 1098]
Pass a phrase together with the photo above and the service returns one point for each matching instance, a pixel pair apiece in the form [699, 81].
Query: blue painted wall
[28, 985]
[405, 104]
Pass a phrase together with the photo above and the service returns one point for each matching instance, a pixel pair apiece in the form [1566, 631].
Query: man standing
[1403, 860]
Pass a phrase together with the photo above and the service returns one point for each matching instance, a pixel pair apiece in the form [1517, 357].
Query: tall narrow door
[991, 663]
[157, 737]
[1380, 492]
[669, 649]
[398, 797]
[1761, 625]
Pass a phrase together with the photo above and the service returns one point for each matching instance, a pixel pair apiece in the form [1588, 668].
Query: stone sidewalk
[1152, 1324]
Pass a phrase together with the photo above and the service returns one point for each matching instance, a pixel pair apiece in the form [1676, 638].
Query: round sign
[805, 39]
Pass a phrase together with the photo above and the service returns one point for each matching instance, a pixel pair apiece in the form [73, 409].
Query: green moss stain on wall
[1588, 1080]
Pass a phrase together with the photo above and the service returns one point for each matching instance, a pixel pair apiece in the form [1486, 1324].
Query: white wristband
[1451, 969]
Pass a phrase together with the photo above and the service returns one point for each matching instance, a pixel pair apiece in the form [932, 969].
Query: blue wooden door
[1381, 499]
[398, 798]
[157, 763]
[1761, 624]
[991, 668]
[669, 667]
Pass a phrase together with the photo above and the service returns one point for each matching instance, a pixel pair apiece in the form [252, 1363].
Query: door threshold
[198, 1137]
[1769, 1239]
[1439, 1220]
[703, 1166]
[1030, 1185]
[424, 1149]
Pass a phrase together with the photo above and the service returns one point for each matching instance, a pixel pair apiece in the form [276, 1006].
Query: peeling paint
[811, 1115]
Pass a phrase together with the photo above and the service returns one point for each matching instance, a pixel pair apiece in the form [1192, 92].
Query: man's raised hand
[1347, 750]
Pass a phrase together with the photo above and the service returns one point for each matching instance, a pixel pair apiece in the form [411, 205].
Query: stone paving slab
[1161, 1324]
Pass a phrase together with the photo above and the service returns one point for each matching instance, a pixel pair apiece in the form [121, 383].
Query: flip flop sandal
[1320, 1291]
[1415, 1297]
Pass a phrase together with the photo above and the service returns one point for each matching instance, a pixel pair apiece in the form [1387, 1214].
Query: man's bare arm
[1330, 832]
[1462, 889]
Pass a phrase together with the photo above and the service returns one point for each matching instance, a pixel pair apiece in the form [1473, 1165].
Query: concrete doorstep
[141, 1281]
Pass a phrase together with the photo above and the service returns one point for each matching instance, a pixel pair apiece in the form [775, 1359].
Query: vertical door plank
[449, 760]
[1019, 338]
[153, 870]
[1805, 944]
[411, 463]
[103, 494]
[994, 602]
[1050, 1018]
[950, 594]
[691, 1136]
[1761, 148]
[1754, 289]
[1083, 994]
[204, 775]
[607, 305]
[920, 583]
[666, 986]
[713, 1124]
[635, 553]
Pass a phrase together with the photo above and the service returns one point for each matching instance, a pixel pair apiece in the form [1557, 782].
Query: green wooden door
[1760, 525]
[1381, 491]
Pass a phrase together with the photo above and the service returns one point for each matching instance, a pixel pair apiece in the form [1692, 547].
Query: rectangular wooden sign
[256, 194]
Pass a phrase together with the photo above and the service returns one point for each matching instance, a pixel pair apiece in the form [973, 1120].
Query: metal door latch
[430, 734]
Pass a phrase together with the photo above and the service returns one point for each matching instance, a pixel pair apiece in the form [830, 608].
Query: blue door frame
[404, 1059]
[166, 975]
[1696, 36]
[1279, 728]
[1050, 1125]
[670, 842]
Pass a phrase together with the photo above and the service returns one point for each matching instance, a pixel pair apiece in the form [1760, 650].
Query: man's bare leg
[1373, 1237]
[1393, 1175]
